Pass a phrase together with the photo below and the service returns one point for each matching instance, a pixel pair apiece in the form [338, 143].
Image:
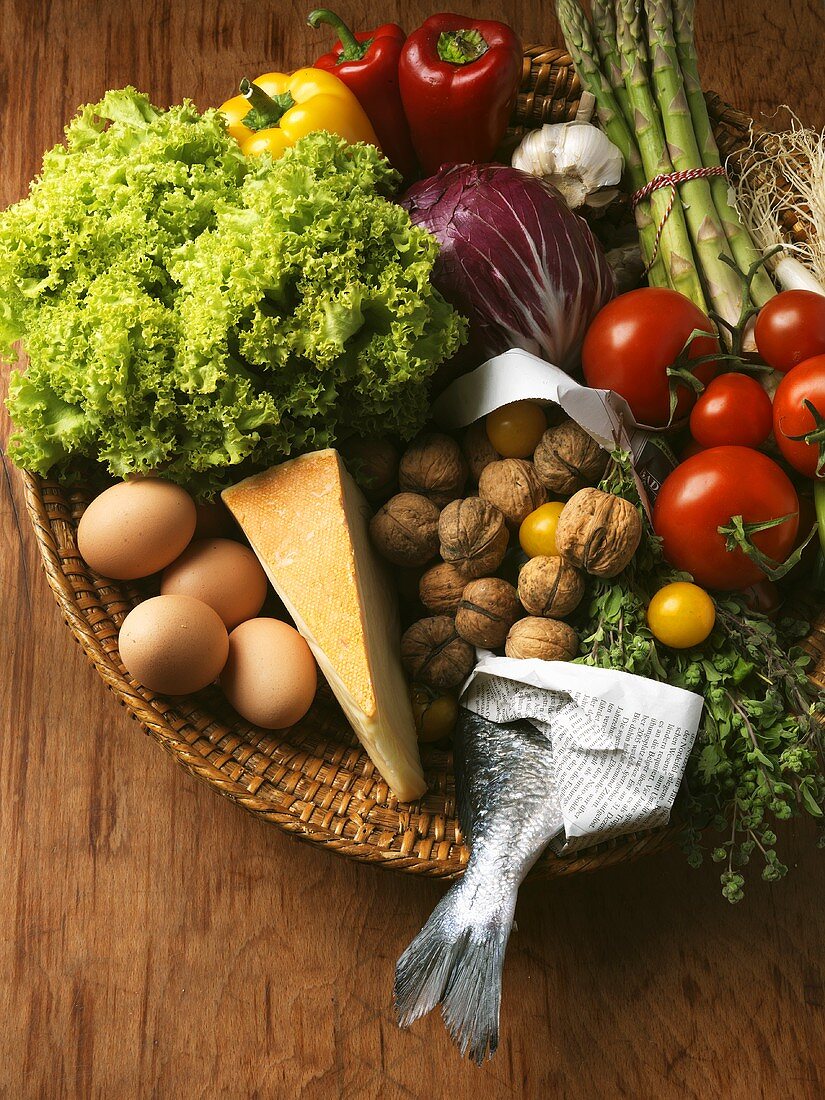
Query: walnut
[434, 466]
[599, 532]
[513, 486]
[405, 530]
[434, 655]
[477, 448]
[568, 458]
[473, 536]
[488, 609]
[550, 587]
[374, 465]
[440, 588]
[546, 639]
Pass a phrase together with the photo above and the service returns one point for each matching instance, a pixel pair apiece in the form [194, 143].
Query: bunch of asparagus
[638, 58]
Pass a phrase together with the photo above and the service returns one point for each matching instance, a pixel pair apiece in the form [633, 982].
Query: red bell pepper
[367, 62]
[459, 80]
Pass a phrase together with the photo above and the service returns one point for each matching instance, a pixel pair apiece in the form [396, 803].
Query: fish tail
[456, 960]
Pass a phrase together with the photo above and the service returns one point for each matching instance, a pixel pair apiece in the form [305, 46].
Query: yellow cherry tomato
[537, 533]
[681, 615]
[435, 717]
[515, 430]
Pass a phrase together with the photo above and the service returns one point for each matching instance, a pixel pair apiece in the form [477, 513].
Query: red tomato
[704, 494]
[734, 409]
[632, 342]
[791, 416]
[791, 328]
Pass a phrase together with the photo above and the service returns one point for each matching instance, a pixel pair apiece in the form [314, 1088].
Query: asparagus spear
[604, 23]
[579, 40]
[675, 241]
[744, 251]
[721, 282]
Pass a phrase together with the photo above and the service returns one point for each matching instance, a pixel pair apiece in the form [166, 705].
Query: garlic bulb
[576, 158]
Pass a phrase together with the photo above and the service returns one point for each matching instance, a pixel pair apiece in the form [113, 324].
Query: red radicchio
[514, 259]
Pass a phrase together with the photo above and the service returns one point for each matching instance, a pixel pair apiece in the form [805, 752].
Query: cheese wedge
[308, 522]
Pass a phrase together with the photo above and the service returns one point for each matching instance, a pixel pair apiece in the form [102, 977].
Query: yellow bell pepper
[287, 106]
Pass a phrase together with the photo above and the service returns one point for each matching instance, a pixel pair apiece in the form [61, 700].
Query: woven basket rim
[153, 719]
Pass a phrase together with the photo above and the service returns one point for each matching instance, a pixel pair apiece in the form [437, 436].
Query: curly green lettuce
[187, 310]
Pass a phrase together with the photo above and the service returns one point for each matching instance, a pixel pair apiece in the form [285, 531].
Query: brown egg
[136, 528]
[222, 573]
[173, 644]
[270, 677]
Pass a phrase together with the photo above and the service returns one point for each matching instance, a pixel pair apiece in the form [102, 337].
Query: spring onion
[781, 186]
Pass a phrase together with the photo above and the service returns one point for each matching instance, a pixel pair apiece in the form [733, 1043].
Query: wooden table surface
[156, 941]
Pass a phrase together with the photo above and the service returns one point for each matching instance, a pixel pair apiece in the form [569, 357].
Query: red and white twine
[671, 180]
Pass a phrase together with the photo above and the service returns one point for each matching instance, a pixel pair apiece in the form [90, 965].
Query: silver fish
[508, 810]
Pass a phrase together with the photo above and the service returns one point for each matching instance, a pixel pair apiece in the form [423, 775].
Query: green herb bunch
[758, 755]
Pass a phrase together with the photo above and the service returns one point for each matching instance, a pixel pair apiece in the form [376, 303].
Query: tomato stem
[681, 369]
[738, 536]
[816, 437]
[736, 333]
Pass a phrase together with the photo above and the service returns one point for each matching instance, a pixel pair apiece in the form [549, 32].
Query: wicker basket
[313, 780]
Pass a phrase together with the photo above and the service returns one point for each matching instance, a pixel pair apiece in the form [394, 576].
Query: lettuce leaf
[189, 311]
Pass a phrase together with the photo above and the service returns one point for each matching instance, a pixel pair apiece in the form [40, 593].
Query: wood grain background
[155, 941]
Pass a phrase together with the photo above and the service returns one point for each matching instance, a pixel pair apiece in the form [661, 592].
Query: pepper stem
[266, 110]
[462, 47]
[351, 48]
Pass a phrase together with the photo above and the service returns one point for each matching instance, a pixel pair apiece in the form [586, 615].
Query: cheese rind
[308, 523]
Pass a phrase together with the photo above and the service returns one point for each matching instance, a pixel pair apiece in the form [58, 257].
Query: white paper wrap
[518, 375]
[619, 742]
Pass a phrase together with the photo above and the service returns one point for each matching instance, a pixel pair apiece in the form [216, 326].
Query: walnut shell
[374, 465]
[513, 486]
[405, 529]
[550, 587]
[567, 459]
[488, 609]
[441, 587]
[545, 639]
[478, 450]
[473, 536]
[434, 466]
[599, 532]
[434, 655]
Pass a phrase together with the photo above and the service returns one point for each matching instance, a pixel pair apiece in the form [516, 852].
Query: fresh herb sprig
[758, 756]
